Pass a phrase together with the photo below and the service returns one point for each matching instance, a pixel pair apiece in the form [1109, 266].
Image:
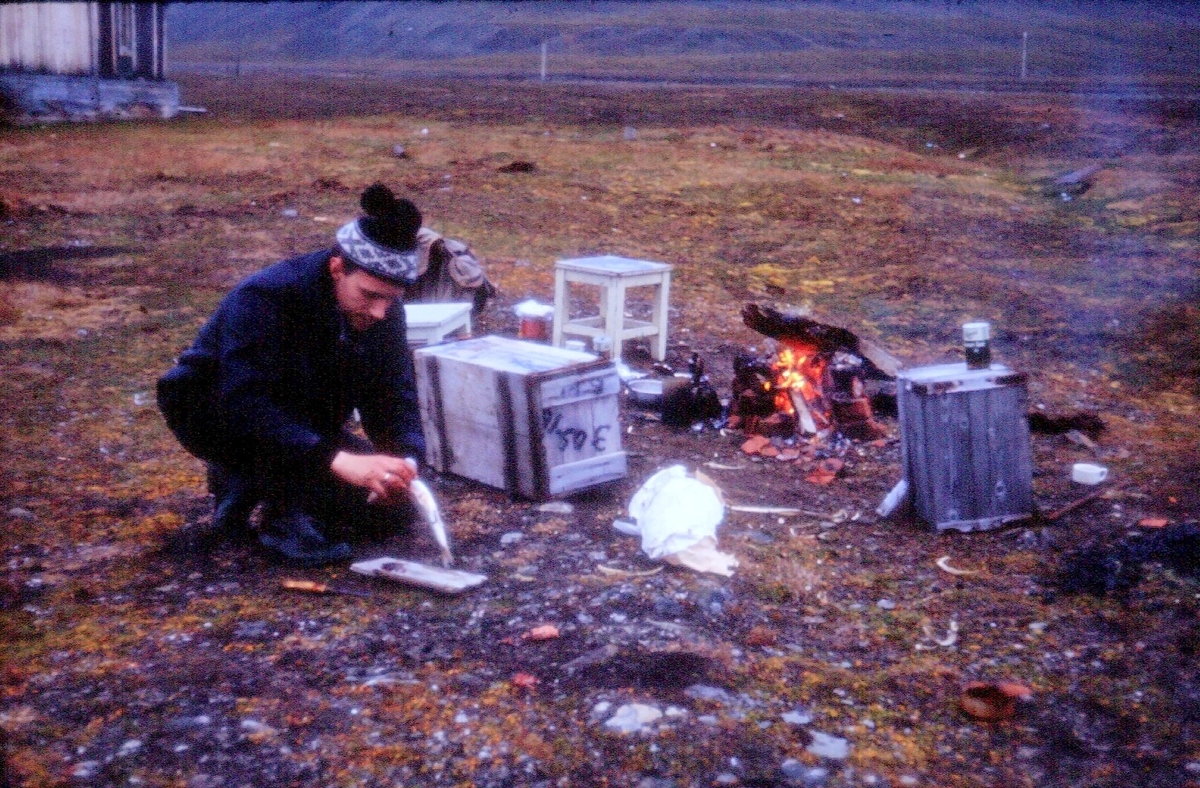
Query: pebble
[885, 604]
[656, 782]
[252, 630]
[826, 746]
[800, 716]
[254, 726]
[806, 776]
[705, 692]
[18, 513]
[714, 600]
[399, 152]
[289, 213]
[85, 770]
[129, 748]
[632, 717]
[512, 537]
[668, 607]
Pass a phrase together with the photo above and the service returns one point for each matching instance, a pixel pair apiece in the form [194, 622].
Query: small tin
[977, 342]
[602, 346]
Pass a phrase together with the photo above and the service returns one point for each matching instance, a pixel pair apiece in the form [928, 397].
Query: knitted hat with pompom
[384, 242]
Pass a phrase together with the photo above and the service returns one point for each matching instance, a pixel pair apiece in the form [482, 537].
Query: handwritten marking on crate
[574, 437]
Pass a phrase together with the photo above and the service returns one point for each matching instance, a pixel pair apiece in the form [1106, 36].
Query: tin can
[602, 346]
[977, 342]
[534, 328]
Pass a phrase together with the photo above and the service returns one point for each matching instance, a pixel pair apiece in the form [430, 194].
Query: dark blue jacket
[276, 372]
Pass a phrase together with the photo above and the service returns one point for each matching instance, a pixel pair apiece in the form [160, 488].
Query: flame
[798, 368]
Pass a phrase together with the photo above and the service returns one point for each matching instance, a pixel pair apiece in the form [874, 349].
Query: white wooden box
[532, 419]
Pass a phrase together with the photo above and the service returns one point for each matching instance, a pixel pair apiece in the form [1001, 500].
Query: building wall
[118, 40]
[59, 38]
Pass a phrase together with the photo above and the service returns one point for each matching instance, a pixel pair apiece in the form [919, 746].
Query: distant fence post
[1024, 54]
[543, 61]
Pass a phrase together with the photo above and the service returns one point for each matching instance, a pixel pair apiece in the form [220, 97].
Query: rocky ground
[838, 652]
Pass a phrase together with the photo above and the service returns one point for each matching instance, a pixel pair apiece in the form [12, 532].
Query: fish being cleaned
[424, 500]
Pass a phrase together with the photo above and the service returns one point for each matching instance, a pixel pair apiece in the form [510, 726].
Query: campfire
[811, 383]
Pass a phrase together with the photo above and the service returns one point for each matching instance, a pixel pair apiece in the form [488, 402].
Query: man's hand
[382, 474]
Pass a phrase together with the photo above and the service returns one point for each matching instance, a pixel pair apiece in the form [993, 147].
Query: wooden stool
[429, 324]
[613, 275]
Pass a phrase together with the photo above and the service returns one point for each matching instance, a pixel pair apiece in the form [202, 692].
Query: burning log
[827, 338]
[814, 383]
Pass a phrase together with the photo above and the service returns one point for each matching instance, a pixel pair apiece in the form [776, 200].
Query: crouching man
[265, 392]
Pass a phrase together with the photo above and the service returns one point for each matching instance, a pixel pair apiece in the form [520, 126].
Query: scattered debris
[782, 511]
[943, 563]
[449, 581]
[543, 632]
[949, 640]
[632, 717]
[1102, 493]
[1088, 424]
[826, 471]
[893, 500]
[990, 702]
[556, 507]
[313, 587]
[1087, 473]
[677, 516]
[609, 570]
[524, 680]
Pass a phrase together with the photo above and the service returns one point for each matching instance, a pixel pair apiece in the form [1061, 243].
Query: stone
[799, 774]
[824, 745]
[800, 716]
[632, 717]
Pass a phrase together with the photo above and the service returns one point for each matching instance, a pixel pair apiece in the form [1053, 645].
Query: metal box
[964, 436]
[532, 419]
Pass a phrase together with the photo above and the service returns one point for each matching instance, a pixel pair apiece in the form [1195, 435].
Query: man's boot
[234, 499]
[296, 537]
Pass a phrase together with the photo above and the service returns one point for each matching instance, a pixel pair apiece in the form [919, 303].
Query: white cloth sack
[677, 516]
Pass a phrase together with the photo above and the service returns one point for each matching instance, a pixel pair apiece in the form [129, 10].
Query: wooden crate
[964, 438]
[532, 419]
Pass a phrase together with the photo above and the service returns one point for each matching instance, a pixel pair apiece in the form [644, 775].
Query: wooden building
[83, 61]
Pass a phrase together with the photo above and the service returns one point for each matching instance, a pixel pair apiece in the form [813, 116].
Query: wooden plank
[585, 385]
[587, 473]
[447, 581]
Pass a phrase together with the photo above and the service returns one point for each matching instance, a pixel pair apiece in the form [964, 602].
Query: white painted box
[532, 419]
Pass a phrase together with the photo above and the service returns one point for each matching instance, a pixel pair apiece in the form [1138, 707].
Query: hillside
[1112, 45]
